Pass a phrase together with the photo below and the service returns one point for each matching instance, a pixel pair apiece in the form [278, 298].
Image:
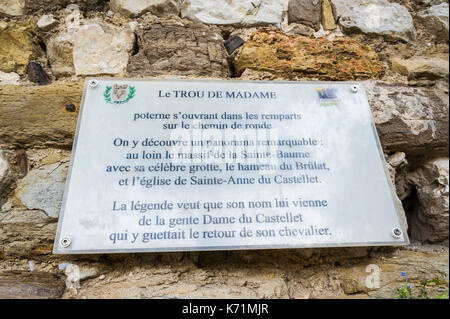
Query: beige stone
[36, 116]
[294, 56]
[277, 274]
[46, 22]
[60, 55]
[17, 46]
[328, 22]
[421, 67]
[100, 50]
[92, 48]
[6, 177]
[12, 7]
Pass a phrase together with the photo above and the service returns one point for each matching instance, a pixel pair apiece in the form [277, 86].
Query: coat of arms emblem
[119, 93]
[328, 96]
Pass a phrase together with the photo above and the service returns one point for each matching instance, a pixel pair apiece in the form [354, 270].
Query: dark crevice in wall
[135, 49]
[233, 73]
[411, 207]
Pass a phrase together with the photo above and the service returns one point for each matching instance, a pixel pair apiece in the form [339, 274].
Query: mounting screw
[93, 83]
[397, 232]
[354, 88]
[70, 107]
[65, 242]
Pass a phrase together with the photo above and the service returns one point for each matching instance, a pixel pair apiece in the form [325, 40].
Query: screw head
[93, 83]
[70, 107]
[65, 242]
[354, 88]
[397, 232]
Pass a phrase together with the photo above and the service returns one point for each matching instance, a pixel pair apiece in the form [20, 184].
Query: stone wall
[399, 49]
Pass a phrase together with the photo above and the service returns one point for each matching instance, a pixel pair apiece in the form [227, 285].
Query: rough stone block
[17, 46]
[179, 47]
[378, 17]
[295, 56]
[18, 284]
[36, 116]
[307, 12]
[235, 12]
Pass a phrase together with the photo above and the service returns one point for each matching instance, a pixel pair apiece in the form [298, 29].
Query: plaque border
[58, 250]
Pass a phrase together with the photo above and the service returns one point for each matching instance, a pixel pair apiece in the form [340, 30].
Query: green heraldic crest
[119, 93]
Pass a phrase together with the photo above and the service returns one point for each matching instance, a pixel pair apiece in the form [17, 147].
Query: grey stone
[136, 8]
[307, 12]
[436, 21]
[37, 74]
[409, 119]
[43, 188]
[235, 12]
[31, 6]
[378, 17]
[431, 221]
[233, 43]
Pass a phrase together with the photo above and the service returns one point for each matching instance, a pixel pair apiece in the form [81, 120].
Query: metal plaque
[179, 165]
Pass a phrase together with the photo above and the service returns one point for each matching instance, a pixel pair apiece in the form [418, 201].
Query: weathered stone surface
[37, 74]
[28, 219]
[136, 8]
[60, 56]
[5, 177]
[395, 161]
[43, 188]
[328, 21]
[31, 6]
[431, 181]
[235, 12]
[278, 274]
[379, 17]
[12, 7]
[92, 48]
[46, 22]
[410, 120]
[101, 49]
[17, 46]
[30, 285]
[429, 2]
[173, 46]
[293, 56]
[295, 28]
[9, 78]
[436, 19]
[24, 233]
[418, 266]
[35, 116]
[421, 68]
[307, 12]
